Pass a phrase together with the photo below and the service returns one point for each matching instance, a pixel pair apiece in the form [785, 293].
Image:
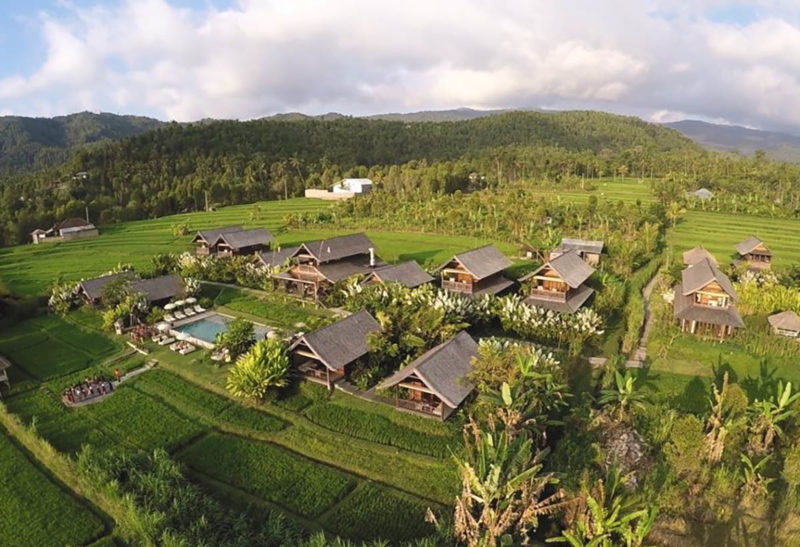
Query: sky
[663, 60]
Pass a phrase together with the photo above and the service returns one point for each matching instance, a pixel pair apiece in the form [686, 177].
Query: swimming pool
[207, 328]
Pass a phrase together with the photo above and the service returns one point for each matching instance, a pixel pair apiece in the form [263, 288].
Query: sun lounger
[199, 309]
[169, 318]
[188, 348]
[179, 315]
[176, 346]
[165, 341]
[189, 312]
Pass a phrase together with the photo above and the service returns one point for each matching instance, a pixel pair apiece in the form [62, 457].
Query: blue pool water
[207, 328]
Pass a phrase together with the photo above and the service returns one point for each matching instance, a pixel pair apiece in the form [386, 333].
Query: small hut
[785, 323]
[754, 253]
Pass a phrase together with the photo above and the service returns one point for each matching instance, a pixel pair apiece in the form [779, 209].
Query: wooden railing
[543, 294]
[418, 406]
[457, 286]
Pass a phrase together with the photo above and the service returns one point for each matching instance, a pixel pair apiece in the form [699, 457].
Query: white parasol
[169, 306]
[163, 327]
[191, 300]
[182, 336]
[179, 303]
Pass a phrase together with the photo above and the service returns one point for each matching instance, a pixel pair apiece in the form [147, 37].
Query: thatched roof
[444, 369]
[693, 256]
[569, 266]
[93, 288]
[337, 248]
[342, 342]
[159, 288]
[74, 222]
[245, 238]
[348, 267]
[481, 262]
[785, 320]
[749, 245]
[276, 259]
[684, 307]
[699, 275]
[406, 273]
[581, 245]
[210, 236]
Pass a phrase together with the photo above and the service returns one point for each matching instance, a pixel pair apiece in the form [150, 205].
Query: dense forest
[184, 167]
[31, 143]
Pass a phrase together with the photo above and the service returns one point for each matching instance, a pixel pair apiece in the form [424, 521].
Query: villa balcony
[544, 294]
[457, 286]
[422, 407]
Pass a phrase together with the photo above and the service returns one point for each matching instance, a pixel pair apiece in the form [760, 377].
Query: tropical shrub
[264, 366]
[237, 338]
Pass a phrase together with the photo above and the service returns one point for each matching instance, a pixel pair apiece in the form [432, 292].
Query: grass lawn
[276, 310]
[720, 232]
[609, 189]
[36, 511]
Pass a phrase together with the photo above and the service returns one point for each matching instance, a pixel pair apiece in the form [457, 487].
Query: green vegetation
[371, 512]
[276, 309]
[36, 511]
[269, 472]
[382, 429]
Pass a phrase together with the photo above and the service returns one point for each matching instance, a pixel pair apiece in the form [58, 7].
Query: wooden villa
[785, 323]
[588, 250]
[704, 301]
[317, 265]
[476, 272]
[558, 285]
[245, 242]
[322, 356]
[754, 253]
[408, 274]
[205, 240]
[71, 228]
[436, 383]
[697, 254]
[92, 289]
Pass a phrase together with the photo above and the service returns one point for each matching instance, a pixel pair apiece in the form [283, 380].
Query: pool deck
[206, 314]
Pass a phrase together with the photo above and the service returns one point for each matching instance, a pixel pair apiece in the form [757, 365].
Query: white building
[354, 186]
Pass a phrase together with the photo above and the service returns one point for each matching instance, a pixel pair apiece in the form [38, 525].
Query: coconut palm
[768, 415]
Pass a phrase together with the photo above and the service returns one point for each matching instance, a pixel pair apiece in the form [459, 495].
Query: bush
[264, 366]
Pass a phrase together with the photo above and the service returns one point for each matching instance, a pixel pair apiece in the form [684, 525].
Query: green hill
[30, 143]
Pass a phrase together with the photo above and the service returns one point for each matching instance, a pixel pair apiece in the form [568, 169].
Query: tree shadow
[764, 384]
[694, 397]
[719, 370]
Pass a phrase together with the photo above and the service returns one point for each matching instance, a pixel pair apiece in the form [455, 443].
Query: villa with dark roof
[558, 285]
[753, 252]
[232, 241]
[409, 274]
[588, 250]
[157, 290]
[785, 323]
[277, 259]
[317, 265]
[704, 301]
[323, 355]
[92, 289]
[476, 272]
[437, 382]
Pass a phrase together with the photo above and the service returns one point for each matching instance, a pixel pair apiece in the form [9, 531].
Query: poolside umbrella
[179, 303]
[182, 336]
[169, 306]
[163, 327]
[191, 300]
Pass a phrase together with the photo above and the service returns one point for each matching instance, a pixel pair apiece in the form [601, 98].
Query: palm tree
[720, 422]
[265, 366]
[624, 396]
[503, 489]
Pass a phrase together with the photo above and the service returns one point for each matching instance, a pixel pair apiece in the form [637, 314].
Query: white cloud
[659, 59]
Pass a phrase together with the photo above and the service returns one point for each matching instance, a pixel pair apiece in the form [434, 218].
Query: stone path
[641, 352]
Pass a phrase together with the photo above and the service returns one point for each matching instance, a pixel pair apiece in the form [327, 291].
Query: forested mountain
[29, 143]
[180, 166]
[734, 138]
[452, 115]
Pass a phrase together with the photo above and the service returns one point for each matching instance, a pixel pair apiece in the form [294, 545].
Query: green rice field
[609, 189]
[31, 269]
[720, 232]
[34, 510]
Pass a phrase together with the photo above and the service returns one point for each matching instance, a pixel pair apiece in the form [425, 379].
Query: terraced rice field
[34, 510]
[32, 269]
[628, 190]
[720, 232]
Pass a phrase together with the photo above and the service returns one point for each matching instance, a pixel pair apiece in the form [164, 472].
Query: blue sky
[719, 60]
